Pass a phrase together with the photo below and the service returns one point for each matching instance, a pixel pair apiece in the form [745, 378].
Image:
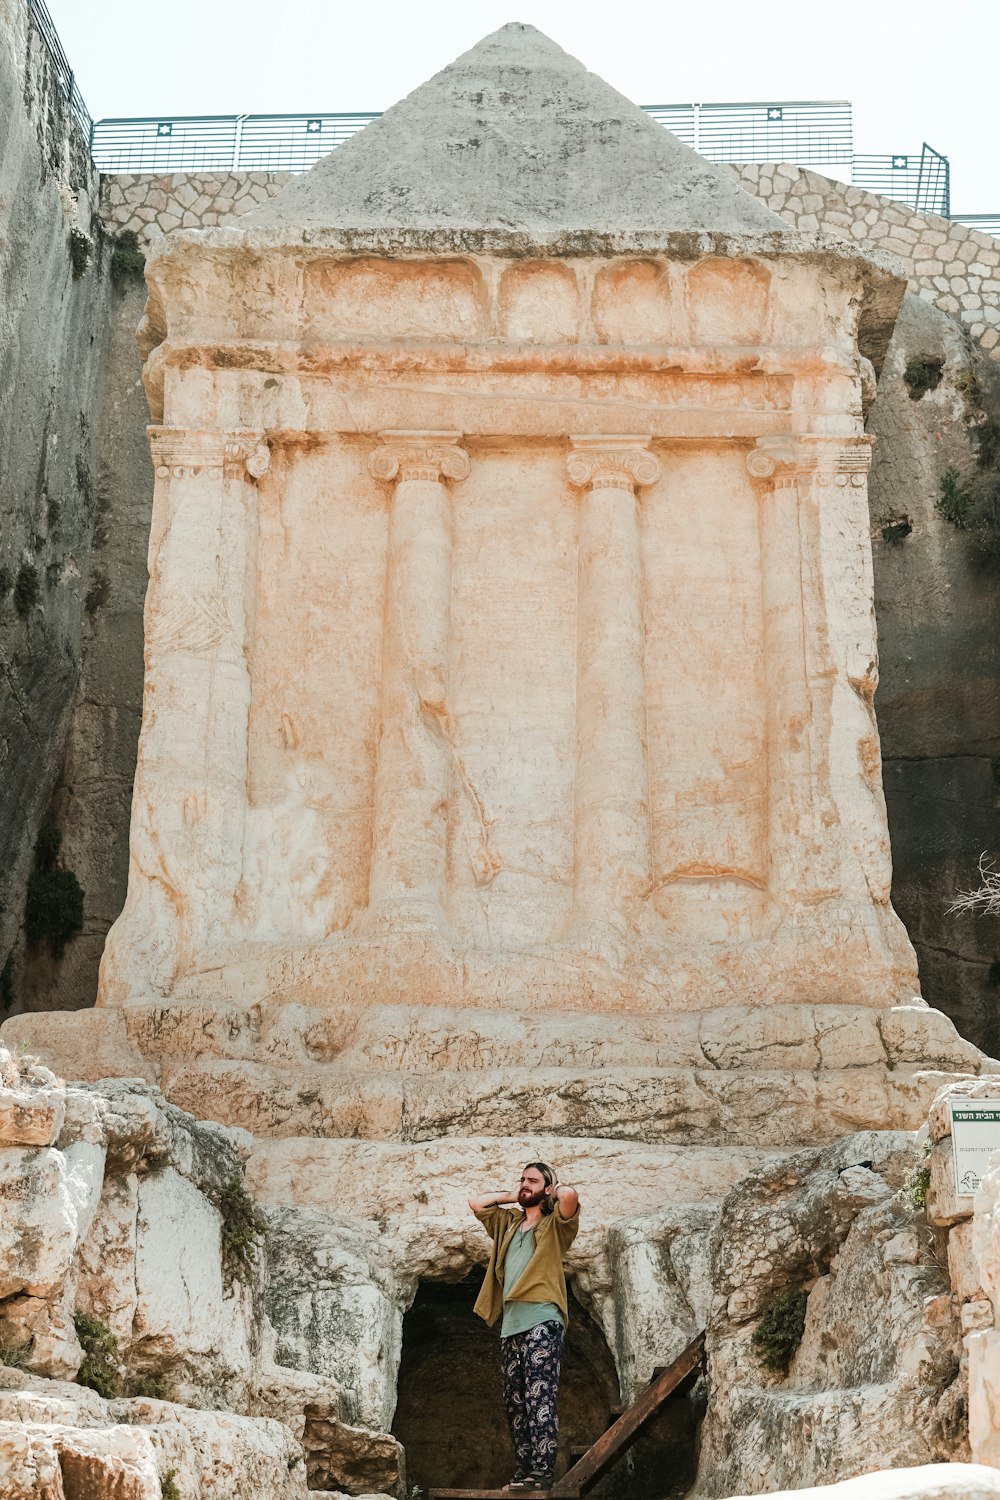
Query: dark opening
[450, 1417]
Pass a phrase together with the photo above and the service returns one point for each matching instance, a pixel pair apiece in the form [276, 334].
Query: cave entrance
[450, 1416]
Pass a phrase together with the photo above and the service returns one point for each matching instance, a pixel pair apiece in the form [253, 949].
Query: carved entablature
[184, 454]
[430, 456]
[841, 461]
[606, 462]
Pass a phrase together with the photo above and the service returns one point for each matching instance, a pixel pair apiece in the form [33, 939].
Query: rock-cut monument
[510, 638]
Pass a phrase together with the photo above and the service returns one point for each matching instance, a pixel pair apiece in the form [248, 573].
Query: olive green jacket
[542, 1279]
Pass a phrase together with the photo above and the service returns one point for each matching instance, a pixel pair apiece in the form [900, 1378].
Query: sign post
[975, 1136]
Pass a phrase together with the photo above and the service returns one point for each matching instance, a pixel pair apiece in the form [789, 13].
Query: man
[526, 1284]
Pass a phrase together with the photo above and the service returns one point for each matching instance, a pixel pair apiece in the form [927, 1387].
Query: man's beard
[530, 1200]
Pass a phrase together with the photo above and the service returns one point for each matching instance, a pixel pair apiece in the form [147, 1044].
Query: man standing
[525, 1282]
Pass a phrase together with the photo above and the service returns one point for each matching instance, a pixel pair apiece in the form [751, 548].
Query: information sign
[975, 1136]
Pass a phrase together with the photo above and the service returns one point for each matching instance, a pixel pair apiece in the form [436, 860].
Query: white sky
[915, 71]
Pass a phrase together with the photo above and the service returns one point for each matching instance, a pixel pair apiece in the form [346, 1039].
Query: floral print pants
[529, 1365]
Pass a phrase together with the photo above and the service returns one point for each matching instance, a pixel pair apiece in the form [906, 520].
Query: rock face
[937, 702]
[53, 329]
[876, 1374]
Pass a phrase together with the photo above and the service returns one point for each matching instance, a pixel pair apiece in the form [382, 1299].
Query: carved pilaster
[612, 837]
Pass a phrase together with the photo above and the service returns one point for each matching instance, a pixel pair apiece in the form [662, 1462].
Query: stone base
[828, 957]
[777, 1077]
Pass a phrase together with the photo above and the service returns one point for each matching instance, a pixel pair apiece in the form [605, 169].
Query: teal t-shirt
[518, 1317]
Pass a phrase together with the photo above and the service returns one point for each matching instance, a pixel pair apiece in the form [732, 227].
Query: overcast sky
[915, 71]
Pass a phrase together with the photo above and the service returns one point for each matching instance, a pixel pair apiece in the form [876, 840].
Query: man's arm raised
[567, 1200]
[491, 1200]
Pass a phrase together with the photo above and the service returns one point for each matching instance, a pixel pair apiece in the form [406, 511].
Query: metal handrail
[811, 133]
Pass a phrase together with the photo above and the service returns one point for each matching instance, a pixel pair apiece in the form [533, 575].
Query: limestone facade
[573, 697]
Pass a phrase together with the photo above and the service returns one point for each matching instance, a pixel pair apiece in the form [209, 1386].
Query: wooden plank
[620, 1436]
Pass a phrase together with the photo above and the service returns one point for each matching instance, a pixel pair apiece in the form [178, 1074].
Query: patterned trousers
[529, 1365]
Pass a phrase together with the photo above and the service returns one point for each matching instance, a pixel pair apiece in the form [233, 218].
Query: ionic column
[612, 838]
[413, 771]
[189, 803]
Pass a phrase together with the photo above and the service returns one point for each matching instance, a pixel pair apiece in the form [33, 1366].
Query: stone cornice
[611, 462]
[430, 456]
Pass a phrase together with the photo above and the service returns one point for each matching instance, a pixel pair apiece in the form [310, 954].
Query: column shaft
[612, 838]
[413, 771]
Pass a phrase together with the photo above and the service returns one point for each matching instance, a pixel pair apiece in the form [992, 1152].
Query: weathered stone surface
[833, 1224]
[39, 1460]
[938, 668]
[351, 1459]
[953, 1481]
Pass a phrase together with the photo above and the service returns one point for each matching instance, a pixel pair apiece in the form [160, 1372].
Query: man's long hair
[547, 1204]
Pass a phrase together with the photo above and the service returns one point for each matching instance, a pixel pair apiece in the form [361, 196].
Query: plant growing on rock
[127, 260]
[985, 899]
[14, 1352]
[923, 373]
[779, 1332]
[914, 1189]
[151, 1388]
[101, 1367]
[168, 1486]
[81, 252]
[243, 1228]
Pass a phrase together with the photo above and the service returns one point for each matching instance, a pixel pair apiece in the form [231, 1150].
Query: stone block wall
[949, 264]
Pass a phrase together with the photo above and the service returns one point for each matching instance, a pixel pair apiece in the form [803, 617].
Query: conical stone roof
[518, 138]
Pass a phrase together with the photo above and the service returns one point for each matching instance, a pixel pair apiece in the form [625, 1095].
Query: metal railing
[45, 27]
[221, 143]
[921, 180]
[808, 133]
[985, 223]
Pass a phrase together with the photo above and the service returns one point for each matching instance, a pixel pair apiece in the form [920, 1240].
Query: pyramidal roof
[515, 139]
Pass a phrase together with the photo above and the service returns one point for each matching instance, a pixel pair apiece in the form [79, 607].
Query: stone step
[668, 1105]
[139, 1040]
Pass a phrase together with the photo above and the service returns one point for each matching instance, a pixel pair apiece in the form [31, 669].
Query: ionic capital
[430, 456]
[181, 453]
[604, 462]
[829, 460]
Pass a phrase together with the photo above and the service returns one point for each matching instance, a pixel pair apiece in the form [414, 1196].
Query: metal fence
[45, 26]
[221, 143]
[985, 223]
[817, 134]
[922, 179]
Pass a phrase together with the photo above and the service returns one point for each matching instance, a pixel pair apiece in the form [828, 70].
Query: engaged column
[413, 772]
[612, 841]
